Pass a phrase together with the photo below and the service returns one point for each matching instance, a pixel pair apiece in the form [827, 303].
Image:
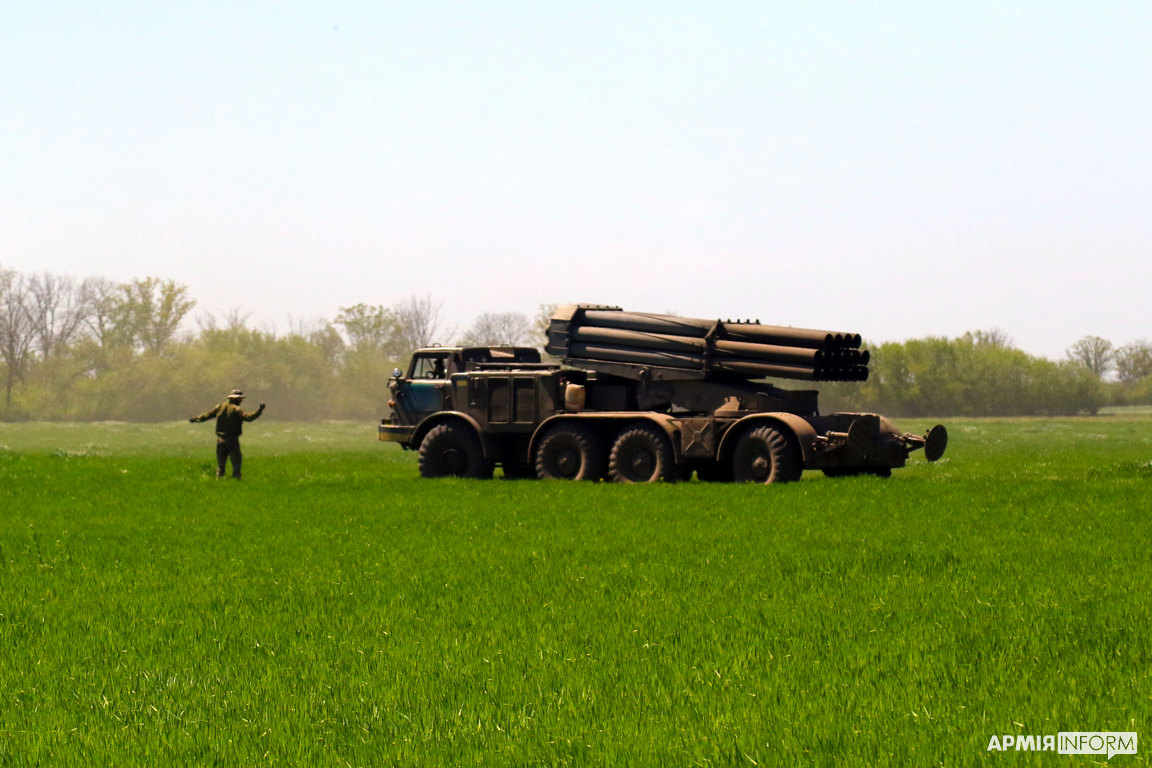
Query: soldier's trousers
[228, 448]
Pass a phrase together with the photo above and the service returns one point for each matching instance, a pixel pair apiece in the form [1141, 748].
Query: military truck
[637, 397]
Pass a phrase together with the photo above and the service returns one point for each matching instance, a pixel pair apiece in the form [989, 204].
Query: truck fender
[442, 417]
[664, 421]
[799, 427]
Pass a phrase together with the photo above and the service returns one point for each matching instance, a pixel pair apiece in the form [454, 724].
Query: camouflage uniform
[230, 418]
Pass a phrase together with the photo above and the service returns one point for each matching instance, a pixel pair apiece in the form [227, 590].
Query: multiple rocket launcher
[583, 335]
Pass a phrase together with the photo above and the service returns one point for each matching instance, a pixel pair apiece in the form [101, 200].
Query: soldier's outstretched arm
[255, 414]
[209, 414]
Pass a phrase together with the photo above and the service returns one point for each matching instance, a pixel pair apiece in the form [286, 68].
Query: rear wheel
[570, 452]
[765, 454]
[453, 450]
[642, 454]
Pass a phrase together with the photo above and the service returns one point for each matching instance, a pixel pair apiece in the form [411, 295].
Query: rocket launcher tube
[638, 321]
[791, 337]
[639, 339]
[590, 334]
[616, 337]
[698, 328]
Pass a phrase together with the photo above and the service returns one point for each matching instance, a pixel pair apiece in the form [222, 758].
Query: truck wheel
[642, 454]
[453, 450]
[766, 455]
[570, 452]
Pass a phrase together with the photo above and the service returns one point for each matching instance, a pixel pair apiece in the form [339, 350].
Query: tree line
[978, 374]
[95, 349]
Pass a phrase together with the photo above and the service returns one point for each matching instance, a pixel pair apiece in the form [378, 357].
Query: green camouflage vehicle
[638, 397]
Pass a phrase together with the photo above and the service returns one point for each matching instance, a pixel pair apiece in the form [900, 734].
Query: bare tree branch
[499, 328]
[1134, 361]
[17, 332]
[1094, 353]
[418, 323]
[57, 309]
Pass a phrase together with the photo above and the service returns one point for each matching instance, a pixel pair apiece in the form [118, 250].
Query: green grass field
[335, 609]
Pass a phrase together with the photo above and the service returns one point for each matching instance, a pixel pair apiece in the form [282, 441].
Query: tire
[570, 452]
[642, 454]
[453, 450]
[765, 454]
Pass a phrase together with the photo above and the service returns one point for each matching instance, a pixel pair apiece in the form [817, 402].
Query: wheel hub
[642, 463]
[567, 462]
[761, 466]
[453, 460]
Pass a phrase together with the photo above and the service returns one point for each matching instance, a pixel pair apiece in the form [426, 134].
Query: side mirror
[397, 373]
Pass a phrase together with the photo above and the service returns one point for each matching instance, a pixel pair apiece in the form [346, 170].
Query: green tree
[106, 324]
[1134, 361]
[1094, 353]
[978, 374]
[152, 310]
[369, 329]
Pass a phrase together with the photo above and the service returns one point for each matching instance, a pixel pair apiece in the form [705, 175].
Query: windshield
[429, 366]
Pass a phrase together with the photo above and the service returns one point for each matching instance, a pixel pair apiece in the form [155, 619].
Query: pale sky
[895, 169]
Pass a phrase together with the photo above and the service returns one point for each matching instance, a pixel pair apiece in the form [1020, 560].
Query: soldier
[230, 418]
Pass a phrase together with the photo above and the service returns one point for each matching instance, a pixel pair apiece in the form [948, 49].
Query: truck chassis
[466, 410]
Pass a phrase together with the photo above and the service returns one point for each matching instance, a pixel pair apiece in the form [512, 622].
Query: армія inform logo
[1069, 743]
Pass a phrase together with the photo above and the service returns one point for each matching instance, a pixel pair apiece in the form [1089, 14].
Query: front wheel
[453, 450]
[642, 454]
[766, 455]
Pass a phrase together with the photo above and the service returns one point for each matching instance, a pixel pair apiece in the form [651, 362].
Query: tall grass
[334, 609]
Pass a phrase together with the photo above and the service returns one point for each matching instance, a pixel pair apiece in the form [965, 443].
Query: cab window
[433, 366]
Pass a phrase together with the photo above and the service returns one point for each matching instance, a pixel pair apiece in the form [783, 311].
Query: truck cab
[441, 362]
[437, 381]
